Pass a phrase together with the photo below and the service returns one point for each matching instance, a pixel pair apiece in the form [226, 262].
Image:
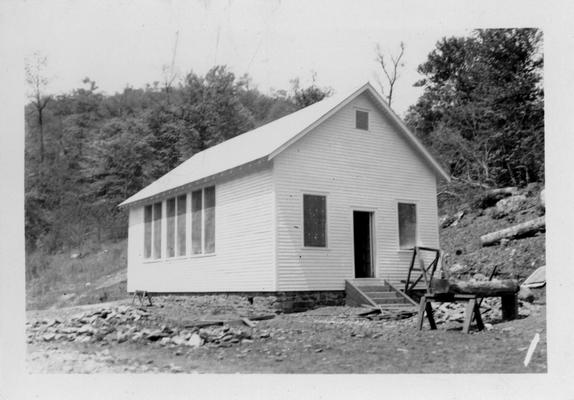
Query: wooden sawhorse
[140, 294]
[472, 310]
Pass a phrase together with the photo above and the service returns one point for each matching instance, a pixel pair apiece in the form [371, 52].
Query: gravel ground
[325, 340]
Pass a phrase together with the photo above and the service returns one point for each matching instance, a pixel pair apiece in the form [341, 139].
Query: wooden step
[390, 295]
[369, 289]
[389, 301]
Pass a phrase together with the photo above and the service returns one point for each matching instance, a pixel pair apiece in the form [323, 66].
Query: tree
[391, 71]
[303, 97]
[482, 106]
[35, 69]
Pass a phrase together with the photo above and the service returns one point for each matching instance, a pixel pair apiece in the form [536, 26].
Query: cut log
[492, 196]
[528, 228]
[484, 288]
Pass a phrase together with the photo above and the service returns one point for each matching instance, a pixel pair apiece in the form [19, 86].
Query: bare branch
[391, 70]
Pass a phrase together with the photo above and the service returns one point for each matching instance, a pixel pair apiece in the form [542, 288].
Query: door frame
[373, 229]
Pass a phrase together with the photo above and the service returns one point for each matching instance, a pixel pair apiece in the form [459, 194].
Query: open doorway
[363, 246]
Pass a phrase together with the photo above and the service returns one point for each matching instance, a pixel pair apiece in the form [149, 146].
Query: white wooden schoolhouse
[336, 191]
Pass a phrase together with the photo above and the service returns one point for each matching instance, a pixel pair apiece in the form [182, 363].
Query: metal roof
[266, 142]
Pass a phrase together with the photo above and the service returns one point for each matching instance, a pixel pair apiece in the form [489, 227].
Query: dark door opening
[362, 228]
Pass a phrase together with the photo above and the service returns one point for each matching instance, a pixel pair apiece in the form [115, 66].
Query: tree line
[86, 151]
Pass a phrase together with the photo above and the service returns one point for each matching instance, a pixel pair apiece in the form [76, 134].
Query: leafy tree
[303, 97]
[482, 107]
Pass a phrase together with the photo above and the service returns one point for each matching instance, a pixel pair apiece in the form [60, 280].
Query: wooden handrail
[424, 270]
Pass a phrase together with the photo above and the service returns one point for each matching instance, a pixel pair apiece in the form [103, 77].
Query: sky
[120, 43]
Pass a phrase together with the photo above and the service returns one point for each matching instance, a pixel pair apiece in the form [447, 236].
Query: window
[152, 231]
[209, 211]
[157, 230]
[407, 225]
[147, 231]
[181, 212]
[314, 220]
[176, 225]
[362, 120]
[170, 215]
[203, 221]
[196, 221]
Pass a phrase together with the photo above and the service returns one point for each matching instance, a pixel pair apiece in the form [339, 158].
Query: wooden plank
[430, 315]
[355, 296]
[401, 293]
[469, 310]
[421, 315]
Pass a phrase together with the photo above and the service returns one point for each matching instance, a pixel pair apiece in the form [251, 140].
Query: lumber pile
[525, 229]
[377, 314]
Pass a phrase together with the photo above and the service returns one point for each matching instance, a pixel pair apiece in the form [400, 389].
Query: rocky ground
[225, 334]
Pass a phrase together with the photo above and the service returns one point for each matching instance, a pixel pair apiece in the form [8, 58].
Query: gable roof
[269, 140]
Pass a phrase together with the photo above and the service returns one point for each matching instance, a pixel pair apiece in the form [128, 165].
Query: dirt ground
[324, 340]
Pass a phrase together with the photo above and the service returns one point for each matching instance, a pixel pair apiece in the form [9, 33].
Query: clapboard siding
[244, 244]
[362, 170]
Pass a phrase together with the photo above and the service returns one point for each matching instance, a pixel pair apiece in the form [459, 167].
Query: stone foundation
[299, 301]
[287, 302]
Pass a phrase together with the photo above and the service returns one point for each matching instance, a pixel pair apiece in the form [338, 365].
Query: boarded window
[314, 220]
[362, 120]
[157, 230]
[196, 222]
[170, 215]
[181, 212]
[147, 231]
[209, 194]
[407, 225]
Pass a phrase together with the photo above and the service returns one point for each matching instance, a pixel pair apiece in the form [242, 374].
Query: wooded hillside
[87, 151]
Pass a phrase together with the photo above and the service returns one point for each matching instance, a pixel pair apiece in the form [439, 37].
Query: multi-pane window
[209, 213]
[176, 236]
[203, 221]
[157, 230]
[152, 231]
[170, 215]
[407, 225]
[362, 120]
[181, 228]
[148, 211]
[314, 220]
[196, 221]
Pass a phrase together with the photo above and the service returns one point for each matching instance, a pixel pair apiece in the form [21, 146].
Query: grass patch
[76, 277]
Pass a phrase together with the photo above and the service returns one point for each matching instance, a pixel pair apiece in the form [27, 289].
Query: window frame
[188, 217]
[365, 111]
[416, 238]
[326, 196]
[203, 224]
